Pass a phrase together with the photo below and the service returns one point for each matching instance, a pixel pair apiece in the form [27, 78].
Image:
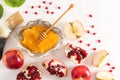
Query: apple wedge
[100, 58]
[104, 75]
[73, 30]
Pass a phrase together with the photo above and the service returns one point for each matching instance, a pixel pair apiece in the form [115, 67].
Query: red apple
[13, 59]
[81, 73]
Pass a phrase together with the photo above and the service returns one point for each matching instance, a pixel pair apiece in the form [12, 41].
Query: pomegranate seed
[110, 71]
[50, 3]
[98, 41]
[44, 2]
[26, 12]
[47, 12]
[80, 41]
[94, 48]
[32, 7]
[90, 15]
[59, 7]
[88, 44]
[113, 67]
[52, 12]
[46, 7]
[35, 13]
[108, 64]
[92, 26]
[88, 31]
[94, 33]
[39, 6]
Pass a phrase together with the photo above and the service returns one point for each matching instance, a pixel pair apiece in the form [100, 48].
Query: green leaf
[14, 3]
[1, 10]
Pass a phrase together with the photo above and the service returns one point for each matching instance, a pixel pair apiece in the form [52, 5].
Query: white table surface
[106, 17]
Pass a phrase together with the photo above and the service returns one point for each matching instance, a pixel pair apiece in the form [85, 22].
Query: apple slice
[104, 75]
[73, 30]
[99, 58]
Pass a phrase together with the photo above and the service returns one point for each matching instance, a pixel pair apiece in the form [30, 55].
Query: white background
[106, 17]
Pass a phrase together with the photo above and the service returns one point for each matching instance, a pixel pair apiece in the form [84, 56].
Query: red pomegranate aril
[44, 2]
[98, 41]
[52, 12]
[90, 15]
[35, 13]
[26, 12]
[31, 70]
[36, 76]
[61, 74]
[32, 7]
[39, 6]
[113, 67]
[46, 7]
[110, 71]
[47, 12]
[21, 76]
[80, 41]
[88, 31]
[59, 7]
[94, 48]
[108, 64]
[94, 33]
[83, 53]
[50, 3]
[92, 26]
[88, 44]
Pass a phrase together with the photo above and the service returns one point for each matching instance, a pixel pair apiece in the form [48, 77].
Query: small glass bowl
[19, 37]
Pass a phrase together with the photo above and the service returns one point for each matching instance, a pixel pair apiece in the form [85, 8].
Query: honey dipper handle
[70, 7]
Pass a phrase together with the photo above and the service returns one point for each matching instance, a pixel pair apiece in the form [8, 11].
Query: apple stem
[73, 28]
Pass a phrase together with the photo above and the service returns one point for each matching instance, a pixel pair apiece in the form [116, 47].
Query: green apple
[1, 10]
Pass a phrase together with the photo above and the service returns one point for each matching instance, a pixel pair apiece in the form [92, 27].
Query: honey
[32, 42]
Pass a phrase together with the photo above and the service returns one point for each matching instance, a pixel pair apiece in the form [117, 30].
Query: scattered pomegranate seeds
[108, 64]
[90, 15]
[32, 7]
[59, 7]
[52, 12]
[92, 26]
[94, 48]
[110, 71]
[44, 2]
[88, 44]
[98, 41]
[39, 6]
[88, 31]
[50, 3]
[47, 12]
[35, 13]
[113, 67]
[80, 41]
[46, 7]
[94, 33]
[26, 12]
